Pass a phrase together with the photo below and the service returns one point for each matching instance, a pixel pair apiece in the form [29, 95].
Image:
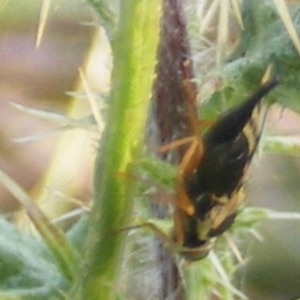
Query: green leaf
[264, 42]
[55, 239]
[28, 270]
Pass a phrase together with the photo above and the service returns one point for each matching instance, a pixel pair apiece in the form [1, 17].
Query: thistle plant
[109, 253]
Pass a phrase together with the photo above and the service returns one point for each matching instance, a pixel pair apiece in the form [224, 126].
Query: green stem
[134, 52]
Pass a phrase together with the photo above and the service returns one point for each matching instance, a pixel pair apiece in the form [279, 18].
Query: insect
[212, 175]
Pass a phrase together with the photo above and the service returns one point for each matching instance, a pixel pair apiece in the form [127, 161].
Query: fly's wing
[224, 164]
[229, 146]
[232, 122]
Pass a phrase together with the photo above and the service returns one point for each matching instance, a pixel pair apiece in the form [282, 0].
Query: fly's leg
[189, 163]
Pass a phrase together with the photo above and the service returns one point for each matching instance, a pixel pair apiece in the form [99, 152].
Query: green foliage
[28, 270]
[50, 269]
[264, 42]
[158, 172]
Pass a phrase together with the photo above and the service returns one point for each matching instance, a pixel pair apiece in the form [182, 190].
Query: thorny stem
[173, 117]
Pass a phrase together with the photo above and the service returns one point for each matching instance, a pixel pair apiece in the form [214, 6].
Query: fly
[211, 176]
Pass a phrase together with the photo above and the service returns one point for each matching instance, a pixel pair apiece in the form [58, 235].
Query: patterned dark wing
[216, 187]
